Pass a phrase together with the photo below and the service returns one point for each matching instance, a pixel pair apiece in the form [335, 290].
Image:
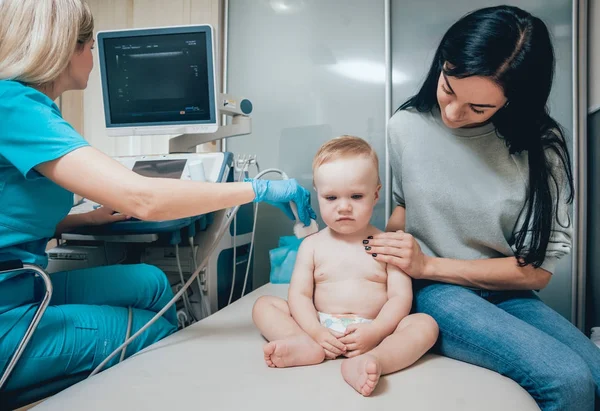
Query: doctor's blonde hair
[39, 37]
[344, 147]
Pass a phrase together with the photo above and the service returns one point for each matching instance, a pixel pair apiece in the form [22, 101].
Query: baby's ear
[377, 192]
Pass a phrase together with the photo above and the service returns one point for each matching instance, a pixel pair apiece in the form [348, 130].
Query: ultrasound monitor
[158, 81]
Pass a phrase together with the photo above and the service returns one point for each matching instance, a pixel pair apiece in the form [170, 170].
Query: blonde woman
[46, 49]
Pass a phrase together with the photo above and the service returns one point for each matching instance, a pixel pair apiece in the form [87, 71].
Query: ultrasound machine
[162, 81]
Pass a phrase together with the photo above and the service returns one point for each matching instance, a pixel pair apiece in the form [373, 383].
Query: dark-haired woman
[482, 186]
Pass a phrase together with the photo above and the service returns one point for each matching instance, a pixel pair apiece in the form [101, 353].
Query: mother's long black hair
[514, 49]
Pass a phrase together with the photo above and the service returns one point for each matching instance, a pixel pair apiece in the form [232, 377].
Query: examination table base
[218, 364]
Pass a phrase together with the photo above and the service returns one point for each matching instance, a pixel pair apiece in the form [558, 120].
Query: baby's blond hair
[344, 147]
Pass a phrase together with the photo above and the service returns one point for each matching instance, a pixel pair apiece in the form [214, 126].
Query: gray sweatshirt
[463, 191]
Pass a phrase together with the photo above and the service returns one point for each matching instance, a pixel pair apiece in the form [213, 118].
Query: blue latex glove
[279, 193]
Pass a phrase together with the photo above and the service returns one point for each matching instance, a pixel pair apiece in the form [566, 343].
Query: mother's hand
[400, 249]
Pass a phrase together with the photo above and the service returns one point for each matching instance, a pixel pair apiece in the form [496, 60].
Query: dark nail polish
[365, 241]
[374, 255]
[367, 248]
[370, 237]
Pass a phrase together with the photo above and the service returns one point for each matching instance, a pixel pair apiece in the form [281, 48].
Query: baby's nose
[345, 205]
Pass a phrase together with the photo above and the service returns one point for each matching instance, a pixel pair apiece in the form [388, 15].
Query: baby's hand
[360, 338]
[330, 342]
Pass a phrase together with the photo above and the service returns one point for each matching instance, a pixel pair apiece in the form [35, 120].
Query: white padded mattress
[217, 364]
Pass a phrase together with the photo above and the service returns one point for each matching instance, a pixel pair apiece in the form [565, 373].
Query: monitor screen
[154, 77]
[160, 168]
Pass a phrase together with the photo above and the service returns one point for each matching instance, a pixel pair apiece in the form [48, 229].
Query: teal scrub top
[32, 131]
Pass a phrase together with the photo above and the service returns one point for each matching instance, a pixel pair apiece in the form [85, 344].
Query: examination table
[218, 364]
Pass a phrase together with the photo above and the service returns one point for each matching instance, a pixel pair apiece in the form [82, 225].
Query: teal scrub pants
[86, 320]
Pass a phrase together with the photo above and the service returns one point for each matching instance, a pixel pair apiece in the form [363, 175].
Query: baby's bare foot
[362, 373]
[291, 352]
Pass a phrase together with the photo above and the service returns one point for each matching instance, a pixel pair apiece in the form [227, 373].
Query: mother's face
[469, 101]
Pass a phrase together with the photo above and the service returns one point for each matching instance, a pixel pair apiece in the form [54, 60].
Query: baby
[341, 301]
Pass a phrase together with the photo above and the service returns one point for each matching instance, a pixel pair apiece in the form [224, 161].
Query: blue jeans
[515, 334]
[86, 320]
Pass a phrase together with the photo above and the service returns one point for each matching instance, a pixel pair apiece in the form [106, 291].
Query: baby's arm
[300, 300]
[399, 289]
[362, 338]
[300, 294]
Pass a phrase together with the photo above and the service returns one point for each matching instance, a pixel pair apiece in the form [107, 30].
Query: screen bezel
[158, 125]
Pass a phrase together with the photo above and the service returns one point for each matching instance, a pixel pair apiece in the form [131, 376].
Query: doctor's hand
[104, 215]
[361, 338]
[400, 249]
[280, 192]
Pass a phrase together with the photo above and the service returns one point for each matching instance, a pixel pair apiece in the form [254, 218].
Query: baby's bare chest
[346, 263]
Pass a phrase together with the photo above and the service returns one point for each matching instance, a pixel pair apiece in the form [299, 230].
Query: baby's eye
[357, 196]
[330, 198]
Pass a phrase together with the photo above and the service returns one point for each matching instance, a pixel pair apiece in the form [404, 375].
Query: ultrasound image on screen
[160, 168]
[159, 78]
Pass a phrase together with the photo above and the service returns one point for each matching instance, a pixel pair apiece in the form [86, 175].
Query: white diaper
[339, 322]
